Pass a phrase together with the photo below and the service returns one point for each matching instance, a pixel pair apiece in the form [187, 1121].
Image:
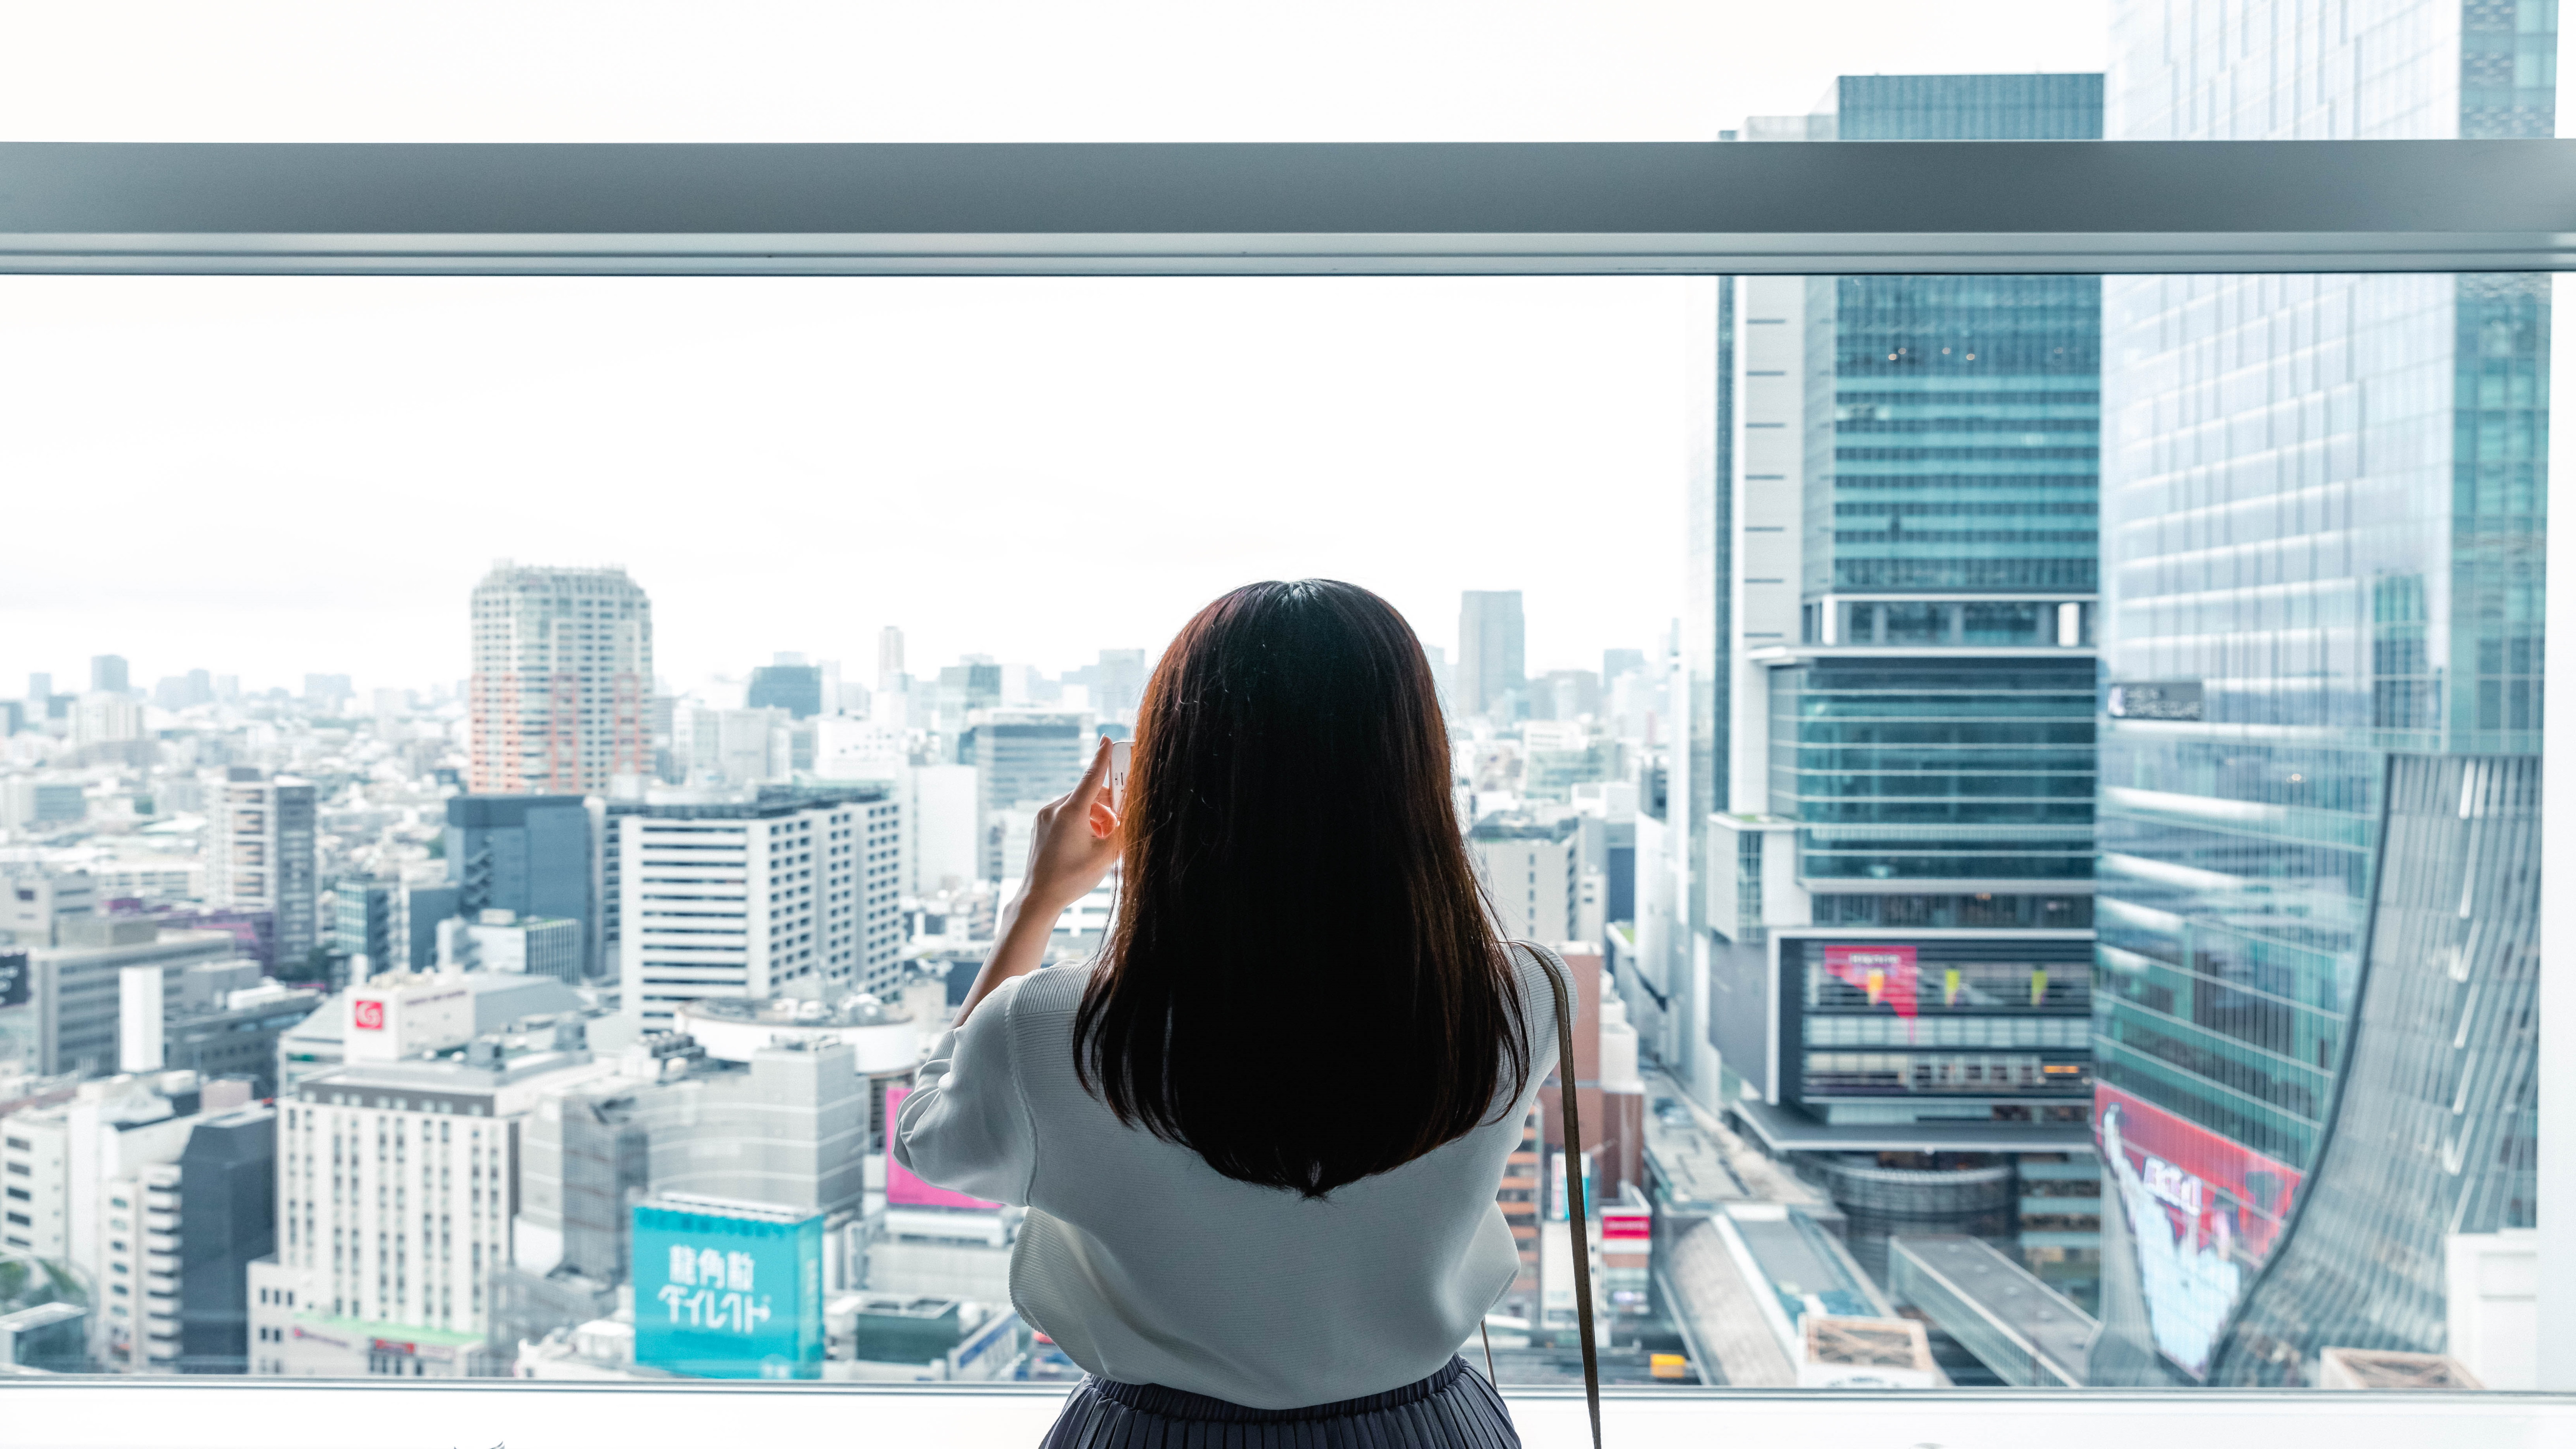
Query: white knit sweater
[1147, 1267]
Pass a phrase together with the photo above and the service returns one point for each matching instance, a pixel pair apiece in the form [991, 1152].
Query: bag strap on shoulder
[1578, 1211]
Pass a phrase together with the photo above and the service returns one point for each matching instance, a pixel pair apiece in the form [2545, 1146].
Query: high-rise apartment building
[2323, 518]
[260, 856]
[793, 894]
[1490, 653]
[563, 660]
[1892, 734]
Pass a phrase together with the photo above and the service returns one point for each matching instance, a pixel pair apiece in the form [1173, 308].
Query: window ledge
[200, 1413]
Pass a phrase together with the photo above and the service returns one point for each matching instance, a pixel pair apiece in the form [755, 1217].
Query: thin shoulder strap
[1578, 1212]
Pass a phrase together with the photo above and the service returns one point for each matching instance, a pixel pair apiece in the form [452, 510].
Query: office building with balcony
[260, 856]
[794, 893]
[535, 856]
[2323, 521]
[1896, 768]
[370, 919]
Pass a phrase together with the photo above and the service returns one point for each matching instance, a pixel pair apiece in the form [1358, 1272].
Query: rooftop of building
[862, 1009]
[500, 997]
[1518, 825]
[769, 802]
[479, 1068]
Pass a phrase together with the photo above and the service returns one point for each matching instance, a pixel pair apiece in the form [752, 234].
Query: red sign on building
[367, 1015]
[1885, 974]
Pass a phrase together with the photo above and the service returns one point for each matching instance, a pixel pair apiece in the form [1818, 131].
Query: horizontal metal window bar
[285, 1414]
[1291, 209]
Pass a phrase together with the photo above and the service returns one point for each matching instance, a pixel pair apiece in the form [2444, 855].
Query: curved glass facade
[2437, 1124]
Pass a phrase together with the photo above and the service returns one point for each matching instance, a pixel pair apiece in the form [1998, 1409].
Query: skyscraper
[563, 659]
[1898, 854]
[1490, 661]
[107, 672]
[2323, 517]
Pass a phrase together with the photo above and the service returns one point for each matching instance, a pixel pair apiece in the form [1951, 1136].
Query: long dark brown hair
[1302, 983]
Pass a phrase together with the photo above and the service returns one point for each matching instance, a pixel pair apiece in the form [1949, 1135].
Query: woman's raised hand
[1073, 840]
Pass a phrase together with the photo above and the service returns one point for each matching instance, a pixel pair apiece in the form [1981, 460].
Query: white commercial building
[95, 1183]
[396, 1186]
[1531, 873]
[33, 898]
[563, 662]
[796, 894]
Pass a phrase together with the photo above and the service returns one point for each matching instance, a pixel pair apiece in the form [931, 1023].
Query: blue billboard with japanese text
[728, 1290]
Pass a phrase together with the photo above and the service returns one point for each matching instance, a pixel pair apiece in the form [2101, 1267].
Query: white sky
[274, 475]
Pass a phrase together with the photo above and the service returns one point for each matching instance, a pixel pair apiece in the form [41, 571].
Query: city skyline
[944, 481]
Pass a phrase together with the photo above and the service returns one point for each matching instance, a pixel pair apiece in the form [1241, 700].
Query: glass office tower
[1899, 866]
[2323, 516]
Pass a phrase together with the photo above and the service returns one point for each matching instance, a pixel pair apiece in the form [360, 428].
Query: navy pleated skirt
[1453, 1409]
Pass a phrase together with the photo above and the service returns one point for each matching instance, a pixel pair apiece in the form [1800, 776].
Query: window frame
[1350, 209]
[1295, 209]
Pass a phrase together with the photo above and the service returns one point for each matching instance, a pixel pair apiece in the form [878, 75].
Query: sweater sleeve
[965, 1126]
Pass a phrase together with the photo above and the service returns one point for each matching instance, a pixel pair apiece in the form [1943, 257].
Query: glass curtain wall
[2323, 524]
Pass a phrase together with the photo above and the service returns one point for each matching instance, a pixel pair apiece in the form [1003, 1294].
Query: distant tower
[563, 660]
[890, 660]
[1489, 647]
[107, 672]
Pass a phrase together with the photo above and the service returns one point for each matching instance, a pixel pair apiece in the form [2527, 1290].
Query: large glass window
[2042, 771]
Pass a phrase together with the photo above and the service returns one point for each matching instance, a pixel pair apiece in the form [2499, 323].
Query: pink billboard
[1884, 974]
[903, 1189]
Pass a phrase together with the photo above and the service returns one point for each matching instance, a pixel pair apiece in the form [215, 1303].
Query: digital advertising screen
[2203, 1212]
[906, 1189]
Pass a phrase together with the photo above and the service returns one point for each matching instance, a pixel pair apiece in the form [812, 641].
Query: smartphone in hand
[1118, 775]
